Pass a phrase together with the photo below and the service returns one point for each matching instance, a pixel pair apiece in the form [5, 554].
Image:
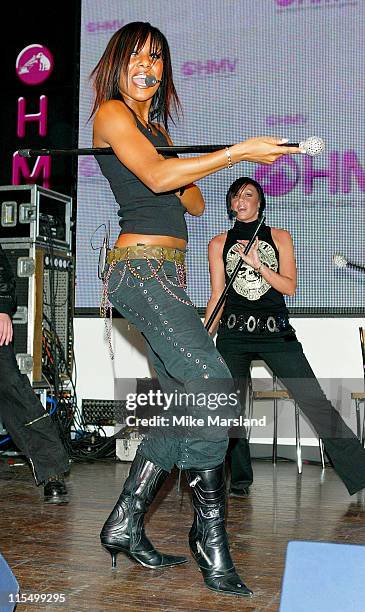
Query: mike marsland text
[190, 421]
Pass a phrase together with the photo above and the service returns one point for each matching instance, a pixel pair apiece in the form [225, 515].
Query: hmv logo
[210, 67]
[34, 66]
[341, 173]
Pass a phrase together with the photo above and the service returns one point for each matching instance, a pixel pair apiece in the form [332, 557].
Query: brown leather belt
[147, 252]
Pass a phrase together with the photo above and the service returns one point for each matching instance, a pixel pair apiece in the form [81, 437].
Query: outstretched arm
[115, 126]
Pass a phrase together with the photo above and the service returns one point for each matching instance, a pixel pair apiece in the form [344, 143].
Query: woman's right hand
[262, 150]
[252, 258]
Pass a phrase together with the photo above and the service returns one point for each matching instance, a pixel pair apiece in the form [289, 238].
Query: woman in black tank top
[134, 93]
[254, 324]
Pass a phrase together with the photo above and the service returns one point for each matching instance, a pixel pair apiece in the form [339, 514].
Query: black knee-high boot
[208, 538]
[124, 530]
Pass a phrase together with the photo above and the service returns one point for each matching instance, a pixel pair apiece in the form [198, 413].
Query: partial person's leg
[238, 453]
[163, 313]
[239, 457]
[123, 530]
[340, 442]
[29, 425]
[208, 538]
[182, 442]
[172, 327]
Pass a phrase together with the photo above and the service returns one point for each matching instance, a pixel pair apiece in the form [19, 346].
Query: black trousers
[284, 355]
[39, 441]
[184, 357]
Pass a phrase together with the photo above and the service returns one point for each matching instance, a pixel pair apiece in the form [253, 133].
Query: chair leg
[275, 434]
[321, 452]
[297, 438]
[363, 428]
[250, 407]
[358, 427]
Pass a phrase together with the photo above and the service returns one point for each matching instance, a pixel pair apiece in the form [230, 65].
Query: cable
[80, 443]
[50, 400]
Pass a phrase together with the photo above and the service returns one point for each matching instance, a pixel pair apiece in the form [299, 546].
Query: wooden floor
[55, 549]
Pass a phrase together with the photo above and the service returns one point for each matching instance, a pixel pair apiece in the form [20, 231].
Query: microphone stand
[109, 151]
[233, 276]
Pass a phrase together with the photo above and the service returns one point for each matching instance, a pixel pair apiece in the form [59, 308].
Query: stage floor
[56, 549]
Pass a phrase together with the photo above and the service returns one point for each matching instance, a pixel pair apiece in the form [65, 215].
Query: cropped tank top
[142, 211]
[250, 293]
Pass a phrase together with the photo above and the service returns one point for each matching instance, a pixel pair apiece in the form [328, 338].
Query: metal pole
[109, 150]
[233, 276]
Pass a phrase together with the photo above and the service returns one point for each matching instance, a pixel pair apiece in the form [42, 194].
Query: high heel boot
[123, 531]
[208, 538]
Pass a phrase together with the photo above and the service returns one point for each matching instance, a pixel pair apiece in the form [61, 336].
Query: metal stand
[234, 274]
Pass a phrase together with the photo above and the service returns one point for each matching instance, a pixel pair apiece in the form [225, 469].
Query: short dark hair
[115, 59]
[236, 186]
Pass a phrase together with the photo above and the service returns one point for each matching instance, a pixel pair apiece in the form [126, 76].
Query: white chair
[277, 395]
[359, 396]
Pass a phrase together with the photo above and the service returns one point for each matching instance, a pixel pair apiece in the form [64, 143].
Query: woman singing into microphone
[145, 283]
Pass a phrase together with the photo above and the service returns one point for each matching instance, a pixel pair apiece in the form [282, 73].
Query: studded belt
[146, 252]
[253, 323]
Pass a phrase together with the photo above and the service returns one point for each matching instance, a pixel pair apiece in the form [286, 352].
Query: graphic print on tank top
[249, 283]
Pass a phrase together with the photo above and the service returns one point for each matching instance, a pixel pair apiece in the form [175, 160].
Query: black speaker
[45, 297]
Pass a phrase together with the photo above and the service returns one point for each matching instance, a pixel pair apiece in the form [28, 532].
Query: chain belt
[253, 323]
[146, 251]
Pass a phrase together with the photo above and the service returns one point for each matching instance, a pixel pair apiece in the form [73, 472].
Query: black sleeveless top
[250, 293]
[141, 210]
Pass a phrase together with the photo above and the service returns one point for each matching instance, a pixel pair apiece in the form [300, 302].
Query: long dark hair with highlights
[115, 60]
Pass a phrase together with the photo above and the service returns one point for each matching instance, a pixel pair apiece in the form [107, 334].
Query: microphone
[311, 146]
[341, 262]
[150, 80]
[103, 258]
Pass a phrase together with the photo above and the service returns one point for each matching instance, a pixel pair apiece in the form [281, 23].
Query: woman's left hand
[252, 258]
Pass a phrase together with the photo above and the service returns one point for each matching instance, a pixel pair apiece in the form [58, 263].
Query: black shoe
[239, 492]
[55, 491]
[208, 538]
[124, 530]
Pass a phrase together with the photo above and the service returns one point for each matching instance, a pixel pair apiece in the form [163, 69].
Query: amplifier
[103, 412]
[45, 296]
[32, 213]
[113, 412]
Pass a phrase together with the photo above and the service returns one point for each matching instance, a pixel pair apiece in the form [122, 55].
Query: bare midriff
[125, 240]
